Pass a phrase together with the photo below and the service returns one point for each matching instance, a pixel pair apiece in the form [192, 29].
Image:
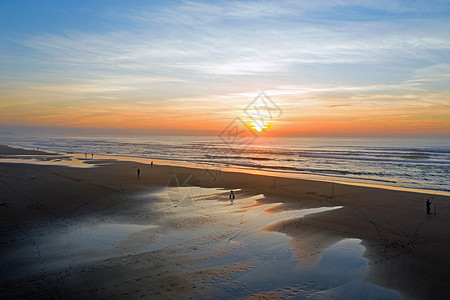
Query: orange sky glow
[193, 67]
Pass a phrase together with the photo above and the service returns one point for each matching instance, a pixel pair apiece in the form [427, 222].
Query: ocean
[417, 163]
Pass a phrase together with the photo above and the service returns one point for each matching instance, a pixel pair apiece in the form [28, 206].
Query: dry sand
[407, 250]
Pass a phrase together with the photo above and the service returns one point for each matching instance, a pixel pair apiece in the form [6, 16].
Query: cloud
[217, 57]
[338, 105]
[240, 38]
[233, 52]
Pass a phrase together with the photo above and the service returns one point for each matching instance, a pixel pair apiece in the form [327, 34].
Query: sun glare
[259, 125]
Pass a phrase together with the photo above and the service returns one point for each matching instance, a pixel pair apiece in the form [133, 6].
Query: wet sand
[103, 232]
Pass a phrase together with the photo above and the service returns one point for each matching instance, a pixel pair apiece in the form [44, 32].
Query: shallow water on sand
[272, 271]
[217, 233]
[264, 259]
[75, 161]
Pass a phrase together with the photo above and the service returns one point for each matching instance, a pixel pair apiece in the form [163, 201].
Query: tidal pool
[268, 264]
[216, 234]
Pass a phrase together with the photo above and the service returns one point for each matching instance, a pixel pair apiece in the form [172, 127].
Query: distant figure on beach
[232, 195]
[428, 206]
[151, 164]
[138, 172]
[85, 156]
[92, 155]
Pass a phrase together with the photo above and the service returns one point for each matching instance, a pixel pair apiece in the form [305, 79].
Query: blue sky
[68, 63]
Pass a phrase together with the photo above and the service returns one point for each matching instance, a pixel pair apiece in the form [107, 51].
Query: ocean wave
[235, 157]
[407, 159]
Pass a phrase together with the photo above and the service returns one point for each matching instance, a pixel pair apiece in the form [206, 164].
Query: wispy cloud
[349, 55]
[184, 48]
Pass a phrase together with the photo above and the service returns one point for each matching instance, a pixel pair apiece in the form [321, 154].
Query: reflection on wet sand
[217, 234]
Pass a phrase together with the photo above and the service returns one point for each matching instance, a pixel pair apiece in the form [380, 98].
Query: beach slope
[46, 249]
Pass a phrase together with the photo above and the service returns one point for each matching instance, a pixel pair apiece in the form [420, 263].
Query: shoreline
[243, 170]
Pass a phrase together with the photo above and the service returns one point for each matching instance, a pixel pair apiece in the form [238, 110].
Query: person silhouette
[232, 195]
[138, 172]
[428, 203]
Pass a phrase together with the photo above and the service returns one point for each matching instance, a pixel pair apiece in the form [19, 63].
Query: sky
[331, 68]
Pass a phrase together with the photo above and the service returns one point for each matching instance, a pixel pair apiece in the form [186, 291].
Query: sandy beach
[173, 233]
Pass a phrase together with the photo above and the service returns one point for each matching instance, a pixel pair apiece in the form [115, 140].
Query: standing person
[428, 206]
[231, 195]
[92, 155]
[85, 156]
[138, 172]
[151, 164]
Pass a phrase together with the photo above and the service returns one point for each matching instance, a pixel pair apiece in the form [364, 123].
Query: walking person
[232, 195]
[138, 172]
[428, 206]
